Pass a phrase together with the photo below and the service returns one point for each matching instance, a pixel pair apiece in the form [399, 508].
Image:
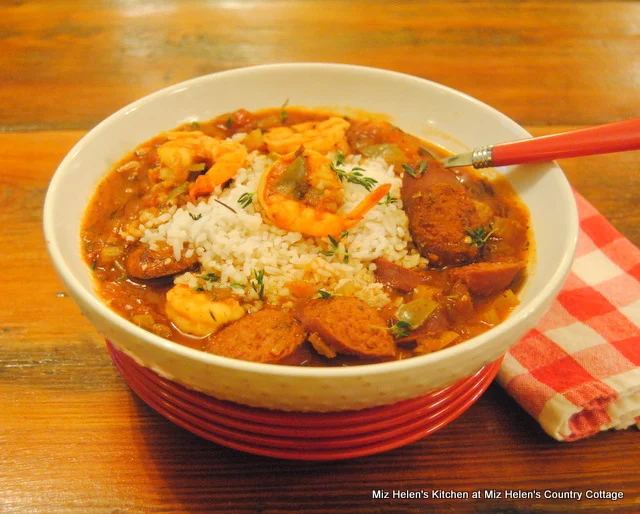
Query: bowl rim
[549, 290]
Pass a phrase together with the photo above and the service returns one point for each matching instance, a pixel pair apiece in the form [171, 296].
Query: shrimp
[321, 136]
[301, 193]
[184, 150]
[196, 313]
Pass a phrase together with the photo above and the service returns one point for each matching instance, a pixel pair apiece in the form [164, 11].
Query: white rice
[235, 245]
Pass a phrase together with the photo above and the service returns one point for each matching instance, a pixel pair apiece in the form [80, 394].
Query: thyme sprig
[334, 249]
[398, 329]
[355, 177]
[246, 199]
[388, 200]
[417, 172]
[224, 205]
[284, 114]
[480, 235]
[258, 284]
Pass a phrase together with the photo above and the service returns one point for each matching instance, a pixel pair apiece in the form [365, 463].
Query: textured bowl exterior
[434, 112]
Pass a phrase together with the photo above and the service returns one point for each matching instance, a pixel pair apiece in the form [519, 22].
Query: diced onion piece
[321, 347]
[490, 317]
[505, 303]
[198, 167]
[145, 321]
[416, 311]
[161, 330]
[253, 140]
[506, 228]
[110, 253]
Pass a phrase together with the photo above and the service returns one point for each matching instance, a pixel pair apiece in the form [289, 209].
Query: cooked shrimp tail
[369, 202]
[301, 193]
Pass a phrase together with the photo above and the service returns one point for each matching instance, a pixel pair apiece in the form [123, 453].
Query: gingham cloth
[578, 372]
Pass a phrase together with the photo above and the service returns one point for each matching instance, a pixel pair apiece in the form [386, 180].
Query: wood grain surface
[74, 438]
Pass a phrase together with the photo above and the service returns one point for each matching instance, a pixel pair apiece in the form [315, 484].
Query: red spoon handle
[620, 136]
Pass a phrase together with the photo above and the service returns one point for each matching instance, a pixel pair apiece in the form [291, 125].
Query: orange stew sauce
[473, 232]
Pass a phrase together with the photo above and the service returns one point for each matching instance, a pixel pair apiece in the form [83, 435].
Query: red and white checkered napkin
[578, 372]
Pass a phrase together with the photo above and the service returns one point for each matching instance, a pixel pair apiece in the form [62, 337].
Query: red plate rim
[309, 420]
[370, 438]
[164, 406]
[322, 455]
[298, 432]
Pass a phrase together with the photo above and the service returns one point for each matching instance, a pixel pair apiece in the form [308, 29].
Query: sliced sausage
[144, 263]
[434, 174]
[439, 218]
[398, 277]
[347, 325]
[266, 336]
[488, 278]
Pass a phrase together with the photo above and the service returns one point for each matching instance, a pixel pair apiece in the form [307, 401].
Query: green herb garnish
[355, 177]
[224, 205]
[258, 284]
[211, 277]
[246, 199]
[339, 158]
[388, 200]
[236, 285]
[323, 295]
[284, 114]
[229, 122]
[480, 235]
[195, 217]
[415, 173]
[334, 249]
[398, 329]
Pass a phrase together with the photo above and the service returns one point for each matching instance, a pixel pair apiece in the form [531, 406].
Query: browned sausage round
[397, 276]
[264, 336]
[439, 218]
[488, 278]
[347, 325]
[143, 263]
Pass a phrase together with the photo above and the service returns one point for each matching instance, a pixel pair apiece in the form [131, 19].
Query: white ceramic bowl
[428, 110]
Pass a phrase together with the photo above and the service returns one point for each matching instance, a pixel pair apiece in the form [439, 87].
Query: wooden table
[74, 438]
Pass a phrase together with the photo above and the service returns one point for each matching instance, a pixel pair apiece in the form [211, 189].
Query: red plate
[291, 419]
[357, 426]
[337, 435]
[282, 441]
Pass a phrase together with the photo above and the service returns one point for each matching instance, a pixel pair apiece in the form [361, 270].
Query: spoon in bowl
[620, 136]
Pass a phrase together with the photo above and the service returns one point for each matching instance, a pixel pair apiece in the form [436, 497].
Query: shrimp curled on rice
[181, 154]
[301, 193]
[322, 136]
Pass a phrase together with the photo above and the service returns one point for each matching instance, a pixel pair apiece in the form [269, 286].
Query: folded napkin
[578, 372]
